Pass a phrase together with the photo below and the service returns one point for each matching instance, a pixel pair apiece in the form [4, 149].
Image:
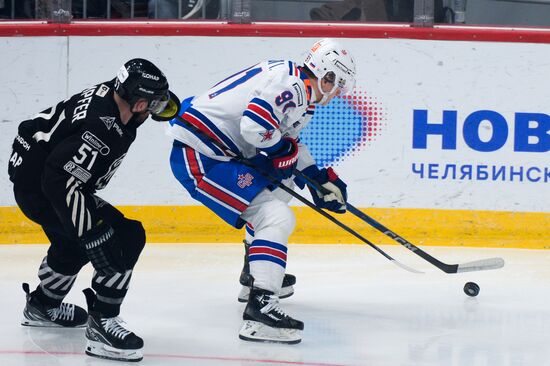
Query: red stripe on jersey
[193, 163]
[222, 196]
[202, 127]
[263, 113]
[267, 250]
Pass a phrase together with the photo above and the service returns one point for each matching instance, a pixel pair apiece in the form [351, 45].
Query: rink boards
[196, 224]
[454, 153]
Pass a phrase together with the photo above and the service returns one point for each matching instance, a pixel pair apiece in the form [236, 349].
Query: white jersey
[250, 110]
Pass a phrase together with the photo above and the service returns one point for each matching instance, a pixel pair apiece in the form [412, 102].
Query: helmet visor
[166, 109]
[157, 106]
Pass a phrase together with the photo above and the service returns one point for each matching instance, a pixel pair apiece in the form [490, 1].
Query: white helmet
[329, 60]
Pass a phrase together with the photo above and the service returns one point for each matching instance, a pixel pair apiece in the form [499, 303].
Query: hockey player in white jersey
[257, 115]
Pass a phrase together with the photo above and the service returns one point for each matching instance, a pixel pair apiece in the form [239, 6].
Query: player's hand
[102, 250]
[285, 160]
[335, 193]
[280, 164]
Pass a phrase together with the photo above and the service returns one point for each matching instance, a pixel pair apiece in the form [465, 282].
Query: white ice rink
[358, 309]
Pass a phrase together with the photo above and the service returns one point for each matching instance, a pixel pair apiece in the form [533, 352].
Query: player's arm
[69, 167]
[260, 126]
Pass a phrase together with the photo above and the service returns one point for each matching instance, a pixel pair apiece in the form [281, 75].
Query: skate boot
[38, 315]
[107, 338]
[246, 280]
[265, 321]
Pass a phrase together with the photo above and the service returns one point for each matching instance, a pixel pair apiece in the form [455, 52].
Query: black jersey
[71, 150]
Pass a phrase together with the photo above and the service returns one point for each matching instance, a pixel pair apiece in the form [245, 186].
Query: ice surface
[358, 309]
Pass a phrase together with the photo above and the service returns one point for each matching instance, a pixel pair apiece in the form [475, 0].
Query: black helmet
[141, 79]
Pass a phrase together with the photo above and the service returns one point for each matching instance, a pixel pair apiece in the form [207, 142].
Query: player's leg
[287, 288]
[245, 279]
[238, 194]
[44, 306]
[264, 320]
[106, 334]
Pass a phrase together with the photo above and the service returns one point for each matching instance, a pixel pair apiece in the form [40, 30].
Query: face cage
[341, 84]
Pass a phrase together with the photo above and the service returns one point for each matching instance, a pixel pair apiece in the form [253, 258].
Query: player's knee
[288, 220]
[277, 214]
[131, 237]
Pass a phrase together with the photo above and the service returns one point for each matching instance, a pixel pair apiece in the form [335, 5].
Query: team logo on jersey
[245, 180]
[108, 121]
[267, 135]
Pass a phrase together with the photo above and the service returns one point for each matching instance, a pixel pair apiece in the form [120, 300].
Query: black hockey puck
[471, 289]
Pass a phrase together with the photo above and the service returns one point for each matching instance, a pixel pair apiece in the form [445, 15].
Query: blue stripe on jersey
[291, 68]
[259, 120]
[204, 139]
[248, 74]
[226, 140]
[235, 74]
[262, 103]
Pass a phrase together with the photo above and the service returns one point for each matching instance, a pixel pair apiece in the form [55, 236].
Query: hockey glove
[280, 164]
[335, 195]
[102, 250]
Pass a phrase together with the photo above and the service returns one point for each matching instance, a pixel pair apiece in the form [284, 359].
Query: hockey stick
[479, 265]
[301, 198]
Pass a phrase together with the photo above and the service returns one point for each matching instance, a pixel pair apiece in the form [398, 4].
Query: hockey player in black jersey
[59, 159]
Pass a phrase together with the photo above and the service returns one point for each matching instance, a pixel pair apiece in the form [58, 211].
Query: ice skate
[38, 315]
[265, 321]
[107, 337]
[246, 280]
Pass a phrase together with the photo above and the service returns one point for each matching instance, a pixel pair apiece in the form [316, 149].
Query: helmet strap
[326, 96]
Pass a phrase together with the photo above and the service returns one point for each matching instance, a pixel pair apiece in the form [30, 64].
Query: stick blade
[405, 267]
[481, 265]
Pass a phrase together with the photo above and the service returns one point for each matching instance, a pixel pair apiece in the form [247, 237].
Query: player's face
[328, 87]
[141, 108]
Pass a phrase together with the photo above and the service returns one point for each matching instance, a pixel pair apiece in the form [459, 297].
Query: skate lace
[64, 312]
[114, 327]
[272, 305]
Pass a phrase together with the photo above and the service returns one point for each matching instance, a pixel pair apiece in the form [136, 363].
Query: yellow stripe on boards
[197, 224]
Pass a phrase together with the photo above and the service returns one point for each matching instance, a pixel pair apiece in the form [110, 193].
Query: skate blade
[259, 332]
[46, 324]
[101, 350]
[245, 291]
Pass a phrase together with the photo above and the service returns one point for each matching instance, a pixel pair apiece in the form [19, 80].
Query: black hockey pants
[65, 257]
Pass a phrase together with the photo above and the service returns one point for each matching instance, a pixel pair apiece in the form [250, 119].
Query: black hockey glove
[103, 251]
